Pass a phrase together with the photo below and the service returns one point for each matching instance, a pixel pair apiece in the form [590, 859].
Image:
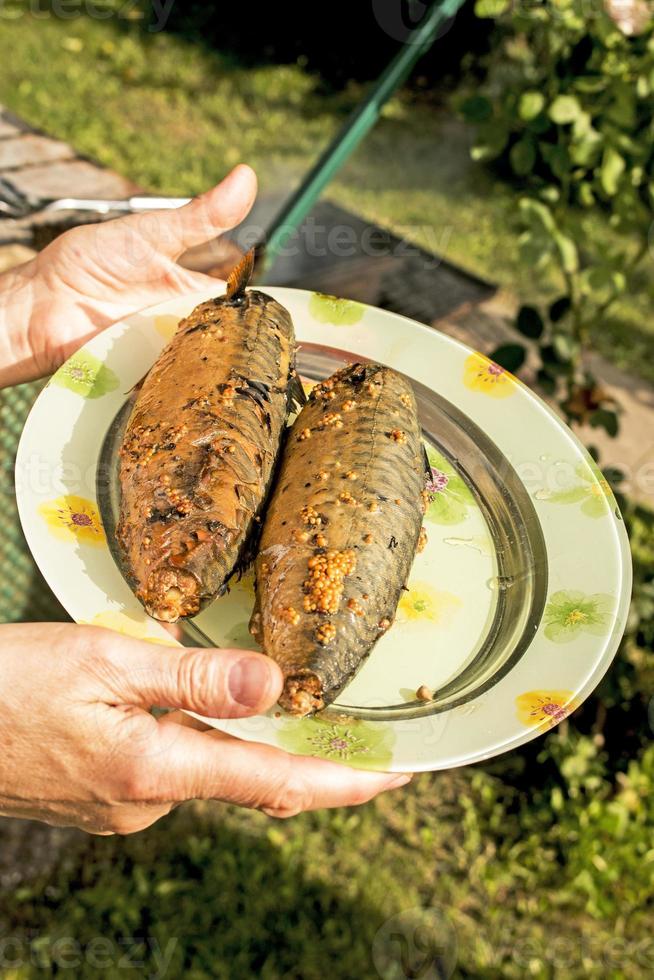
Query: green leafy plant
[567, 110]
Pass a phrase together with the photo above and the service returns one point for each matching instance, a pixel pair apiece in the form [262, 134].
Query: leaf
[559, 308]
[552, 362]
[530, 105]
[567, 251]
[523, 157]
[536, 212]
[535, 249]
[585, 195]
[611, 170]
[565, 346]
[557, 158]
[607, 420]
[476, 109]
[546, 381]
[491, 8]
[509, 356]
[529, 322]
[491, 140]
[564, 109]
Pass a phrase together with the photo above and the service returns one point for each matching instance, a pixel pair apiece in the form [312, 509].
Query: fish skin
[208, 422]
[386, 471]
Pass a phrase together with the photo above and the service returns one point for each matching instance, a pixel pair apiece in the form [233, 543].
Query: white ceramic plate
[514, 610]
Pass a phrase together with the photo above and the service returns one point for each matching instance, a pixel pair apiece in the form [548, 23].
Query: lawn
[539, 864]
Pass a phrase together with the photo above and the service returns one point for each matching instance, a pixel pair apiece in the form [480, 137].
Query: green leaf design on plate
[592, 491]
[368, 745]
[85, 375]
[332, 309]
[569, 613]
[450, 496]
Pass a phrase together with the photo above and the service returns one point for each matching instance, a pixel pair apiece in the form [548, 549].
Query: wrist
[17, 361]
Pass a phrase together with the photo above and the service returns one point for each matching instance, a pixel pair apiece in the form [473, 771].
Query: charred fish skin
[200, 448]
[341, 531]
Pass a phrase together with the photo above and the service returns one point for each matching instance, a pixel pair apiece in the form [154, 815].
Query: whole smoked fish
[200, 447]
[341, 531]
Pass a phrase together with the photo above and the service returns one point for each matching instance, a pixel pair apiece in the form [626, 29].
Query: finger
[216, 683]
[185, 720]
[173, 231]
[212, 765]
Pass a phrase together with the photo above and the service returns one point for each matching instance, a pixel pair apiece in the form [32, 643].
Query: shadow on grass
[342, 42]
[211, 899]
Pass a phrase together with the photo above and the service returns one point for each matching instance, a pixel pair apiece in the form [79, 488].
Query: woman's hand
[94, 275]
[80, 748]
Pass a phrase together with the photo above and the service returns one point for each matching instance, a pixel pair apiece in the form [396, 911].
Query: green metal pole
[357, 126]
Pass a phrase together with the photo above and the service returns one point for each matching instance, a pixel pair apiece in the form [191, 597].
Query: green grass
[541, 861]
[513, 893]
[174, 117]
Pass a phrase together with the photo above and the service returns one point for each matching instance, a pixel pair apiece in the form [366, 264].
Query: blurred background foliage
[528, 134]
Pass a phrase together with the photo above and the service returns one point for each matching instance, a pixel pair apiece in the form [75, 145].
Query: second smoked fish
[341, 531]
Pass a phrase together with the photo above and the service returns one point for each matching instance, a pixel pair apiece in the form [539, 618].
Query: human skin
[80, 745]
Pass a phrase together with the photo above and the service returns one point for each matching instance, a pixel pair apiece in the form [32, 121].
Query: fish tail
[240, 276]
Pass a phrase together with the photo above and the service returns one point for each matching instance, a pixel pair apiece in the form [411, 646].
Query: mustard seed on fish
[324, 586]
[289, 615]
[325, 633]
[398, 436]
[424, 693]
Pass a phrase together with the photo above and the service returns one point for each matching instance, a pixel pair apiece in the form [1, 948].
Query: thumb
[172, 231]
[215, 683]
[214, 212]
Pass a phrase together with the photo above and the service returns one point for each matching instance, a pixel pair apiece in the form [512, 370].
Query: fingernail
[400, 780]
[248, 681]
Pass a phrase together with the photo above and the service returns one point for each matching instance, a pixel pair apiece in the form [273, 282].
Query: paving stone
[71, 178]
[10, 125]
[30, 149]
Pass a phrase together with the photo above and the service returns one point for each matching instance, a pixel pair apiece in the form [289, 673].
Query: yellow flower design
[73, 518]
[424, 602]
[128, 625]
[166, 325]
[545, 709]
[481, 374]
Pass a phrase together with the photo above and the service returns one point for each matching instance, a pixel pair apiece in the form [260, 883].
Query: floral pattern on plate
[359, 743]
[72, 518]
[424, 602]
[129, 625]
[569, 613]
[545, 709]
[332, 309]
[590, 489]
[483, 375]
[166, 325]
[449, 495]
[85, 375]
